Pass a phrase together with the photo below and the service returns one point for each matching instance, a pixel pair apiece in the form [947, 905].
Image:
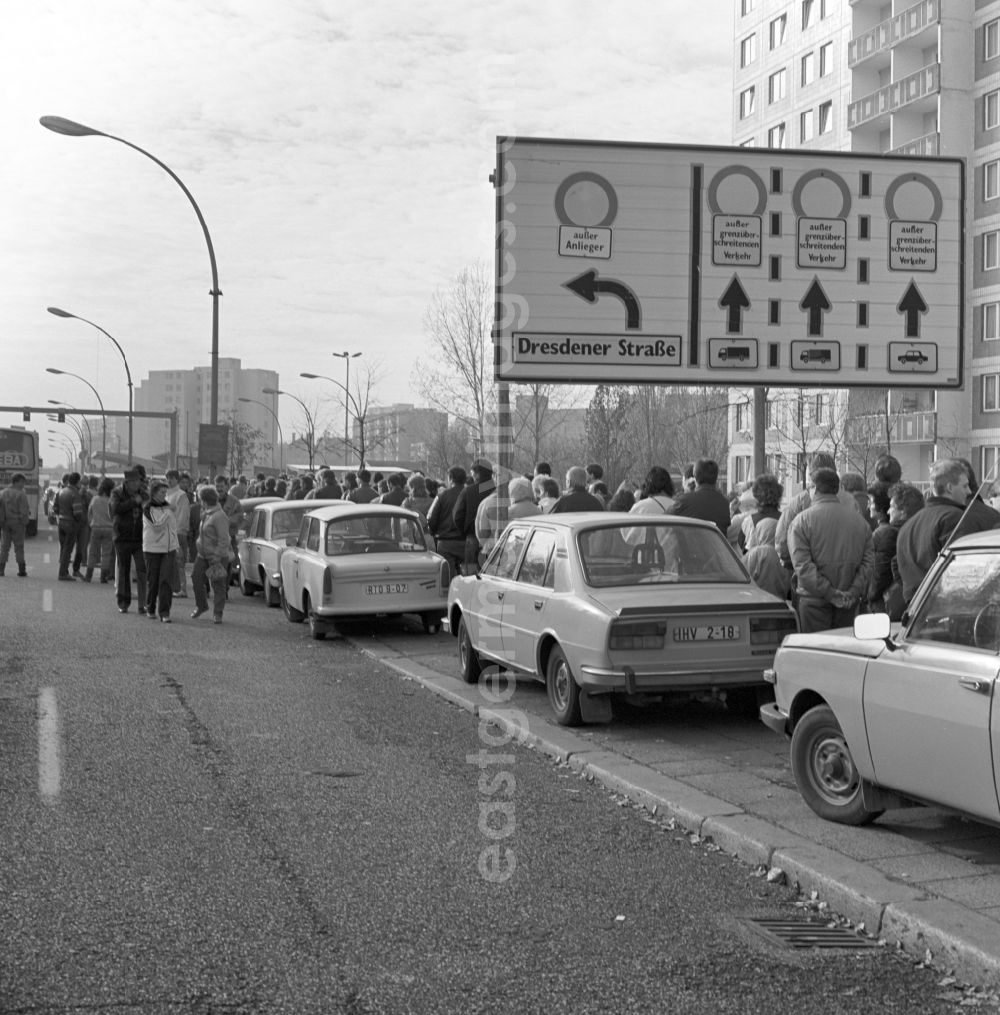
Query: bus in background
[19, 453]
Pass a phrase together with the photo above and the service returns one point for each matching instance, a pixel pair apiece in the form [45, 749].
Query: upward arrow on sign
[912, 305]
[816, 303]
[735, 300]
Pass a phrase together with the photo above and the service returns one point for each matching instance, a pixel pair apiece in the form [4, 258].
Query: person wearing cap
[467, 506]
[126, 520]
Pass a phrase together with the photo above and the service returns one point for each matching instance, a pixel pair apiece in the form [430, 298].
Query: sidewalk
[920, 877]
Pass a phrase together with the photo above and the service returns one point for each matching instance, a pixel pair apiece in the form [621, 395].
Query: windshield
[374, 534]
[658, 551]
[286, 522]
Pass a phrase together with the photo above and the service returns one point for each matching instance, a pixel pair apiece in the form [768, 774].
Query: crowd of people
[837, 548]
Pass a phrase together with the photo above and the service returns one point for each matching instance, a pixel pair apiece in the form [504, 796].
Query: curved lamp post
[104, 418]
[281, 436]
[76, 426]
[71, 128]
[353, 401]
[67, 446]
[346, 357]
[305, 408]
[128, 373]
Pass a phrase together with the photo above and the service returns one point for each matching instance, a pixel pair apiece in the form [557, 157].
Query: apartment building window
[748, 102]
[774, 464]
[746, 6]
[772, 414]
[741, 468]
[991, 180]
[825, 59]
[991, 322]
[991, 250]
[819, 410]
[776, 86]
[990, 384]
[748, 50]
[776, 136]
[751, 142]
[808, 68]
[779, 26]
[991, 110]
[826, 117]
[743, 417]
[988, 460]
[991, 39]
[806, 126]
[808, 14]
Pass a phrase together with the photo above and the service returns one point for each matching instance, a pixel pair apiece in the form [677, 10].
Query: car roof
[988, 540]
[252, 502]
[273, 504]
[337, 508]
[588, 519]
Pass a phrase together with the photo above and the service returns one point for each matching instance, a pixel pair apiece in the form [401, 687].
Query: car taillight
[444, 578]
[637, 634]
[771, 630]
[328, 586]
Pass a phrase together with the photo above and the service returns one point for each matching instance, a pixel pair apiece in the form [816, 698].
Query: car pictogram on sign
[913, 356]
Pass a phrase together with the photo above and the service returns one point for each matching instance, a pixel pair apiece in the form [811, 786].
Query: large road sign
[627, 263]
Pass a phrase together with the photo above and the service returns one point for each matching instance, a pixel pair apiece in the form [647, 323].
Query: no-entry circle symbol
[821, 174]
[724, 174]
[918, 178]
[578, 189]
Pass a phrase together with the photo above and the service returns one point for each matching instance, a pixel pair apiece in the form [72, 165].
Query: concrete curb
[958, 939]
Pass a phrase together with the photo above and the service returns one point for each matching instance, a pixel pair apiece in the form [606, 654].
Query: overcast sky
[338, 151]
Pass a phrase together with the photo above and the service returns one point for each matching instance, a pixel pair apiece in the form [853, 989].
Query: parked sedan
[883, 716]
[362, 560]
[596, 603]
[272, 525]
[247, 507]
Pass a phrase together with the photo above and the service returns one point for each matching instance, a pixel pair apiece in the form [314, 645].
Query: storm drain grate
[796, 934]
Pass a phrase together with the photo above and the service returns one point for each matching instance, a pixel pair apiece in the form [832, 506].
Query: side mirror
[873, 627]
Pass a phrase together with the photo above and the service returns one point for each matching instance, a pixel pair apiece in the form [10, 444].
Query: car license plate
[387, 589]
[708, 632]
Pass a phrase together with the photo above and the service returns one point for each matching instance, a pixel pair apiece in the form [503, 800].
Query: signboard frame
[547, 256]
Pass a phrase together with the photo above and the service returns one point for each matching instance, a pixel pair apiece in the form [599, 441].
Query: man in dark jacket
[328, 489]
[72, 517]
[467, 505]
[704, 501]
[576, 497]
[397, 490]
[449, 540]
[126, 522]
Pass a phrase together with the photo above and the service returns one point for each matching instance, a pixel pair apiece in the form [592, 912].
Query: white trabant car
[362, 560]
[886, 715]
[599, 603]
[270, 527]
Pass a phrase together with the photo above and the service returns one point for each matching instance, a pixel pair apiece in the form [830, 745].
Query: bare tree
[457, 374]
[547, 422]
[610, 439]
[246, 445]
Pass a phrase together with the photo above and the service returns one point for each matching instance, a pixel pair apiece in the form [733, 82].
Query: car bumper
[774, 718]
[599, 680]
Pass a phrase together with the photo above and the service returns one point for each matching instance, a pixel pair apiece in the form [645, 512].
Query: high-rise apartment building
[899, 77]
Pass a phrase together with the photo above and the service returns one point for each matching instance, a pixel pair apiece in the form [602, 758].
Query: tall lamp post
[309, 418]
[346, 357]
[104, 418]
[348, 397]
[76, 426]
[128, 373]
[281, 437]
[71, 128]
[68, 447]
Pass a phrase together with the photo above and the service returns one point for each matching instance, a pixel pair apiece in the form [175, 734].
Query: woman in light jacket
[213, 553]
[159, 550]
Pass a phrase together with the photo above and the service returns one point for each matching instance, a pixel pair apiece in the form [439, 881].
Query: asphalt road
[238, 819]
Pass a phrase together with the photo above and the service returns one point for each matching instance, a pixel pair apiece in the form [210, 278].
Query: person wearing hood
[159, 549]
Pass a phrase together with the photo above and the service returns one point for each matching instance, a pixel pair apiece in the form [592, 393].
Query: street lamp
[281, 438]
[128, 373]
[349, 398]
[309, 418]
[67, 446]
[60, 125]
[346, 357]
[76, 426]
[104, 418]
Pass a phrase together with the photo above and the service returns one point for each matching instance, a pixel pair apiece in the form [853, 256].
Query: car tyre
[824, 769]
[295, 616]
[317, 628]
[247, 588]
[562, 689]
[468, 657]
[272, 596]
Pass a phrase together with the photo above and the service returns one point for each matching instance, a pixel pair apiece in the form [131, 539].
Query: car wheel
[271, 595]
[468, 657]
[317, 628]
[562, 688]
[294, 615]
[247, 588]
[824, 769]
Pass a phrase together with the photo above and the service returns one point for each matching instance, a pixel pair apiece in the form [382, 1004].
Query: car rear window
[658, 551]
[374, 534]
[286, 523]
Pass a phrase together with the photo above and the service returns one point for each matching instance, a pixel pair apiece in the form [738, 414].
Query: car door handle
[982, 686]
[538, 604]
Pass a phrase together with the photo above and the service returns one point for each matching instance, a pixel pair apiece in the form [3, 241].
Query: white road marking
[48, 745]
[46, 600]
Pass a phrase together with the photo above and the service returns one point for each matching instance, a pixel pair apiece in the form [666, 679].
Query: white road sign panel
[628, 263]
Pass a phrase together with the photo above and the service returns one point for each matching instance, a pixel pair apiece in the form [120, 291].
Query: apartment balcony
[917, 92]
[906, 427]
[929, 144]
[905, 27]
